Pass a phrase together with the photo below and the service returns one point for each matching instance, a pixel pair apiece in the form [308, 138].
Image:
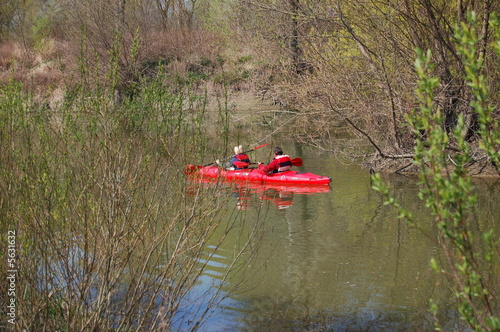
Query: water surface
[338, 260]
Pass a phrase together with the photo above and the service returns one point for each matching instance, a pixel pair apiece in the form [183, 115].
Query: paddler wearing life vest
[280, 163]
[240, 159]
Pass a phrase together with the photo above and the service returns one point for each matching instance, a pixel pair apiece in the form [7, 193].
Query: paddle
[297, 162]
[191, 168]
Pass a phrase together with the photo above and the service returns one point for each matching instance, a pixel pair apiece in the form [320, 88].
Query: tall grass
[106, 236]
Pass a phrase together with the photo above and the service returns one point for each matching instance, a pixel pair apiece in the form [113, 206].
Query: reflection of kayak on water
[281, 199]
[255, 175]
[293, 188]
[280, 194]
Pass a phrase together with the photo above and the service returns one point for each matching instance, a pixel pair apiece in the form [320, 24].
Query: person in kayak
[280, 163]
[240, 159]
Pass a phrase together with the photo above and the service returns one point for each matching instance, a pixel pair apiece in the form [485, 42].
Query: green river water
[339, 260]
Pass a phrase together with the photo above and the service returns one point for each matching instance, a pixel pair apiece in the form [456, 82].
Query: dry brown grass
[55, 63]
[6, 55]
[40, 70]
[181, 44]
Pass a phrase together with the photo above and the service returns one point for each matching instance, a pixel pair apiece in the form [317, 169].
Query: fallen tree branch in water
[403, 168]
[372, 142]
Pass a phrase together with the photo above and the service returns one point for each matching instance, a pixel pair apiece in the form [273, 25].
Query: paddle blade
[297, 162]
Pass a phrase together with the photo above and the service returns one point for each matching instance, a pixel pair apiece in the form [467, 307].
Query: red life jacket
[242, 161]
[243, 157]
[285, 163]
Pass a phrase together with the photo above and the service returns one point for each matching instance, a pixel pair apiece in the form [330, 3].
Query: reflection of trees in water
[299, 262]
[339, 270]
[288, 315]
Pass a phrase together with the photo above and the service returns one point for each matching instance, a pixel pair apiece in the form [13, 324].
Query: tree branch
[372, 142]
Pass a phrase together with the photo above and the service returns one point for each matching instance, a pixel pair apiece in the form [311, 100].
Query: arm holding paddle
[280, 163]
[271, 167]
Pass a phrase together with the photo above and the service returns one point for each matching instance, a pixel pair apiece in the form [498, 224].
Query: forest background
[330, 66]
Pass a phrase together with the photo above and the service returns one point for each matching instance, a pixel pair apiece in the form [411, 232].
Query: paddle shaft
[256, 148]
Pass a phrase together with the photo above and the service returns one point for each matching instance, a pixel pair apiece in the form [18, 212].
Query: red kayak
[258, 176]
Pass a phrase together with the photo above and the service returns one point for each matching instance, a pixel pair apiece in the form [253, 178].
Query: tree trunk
[295, 49]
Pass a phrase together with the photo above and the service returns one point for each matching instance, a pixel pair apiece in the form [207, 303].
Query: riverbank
[241, 97]
[481, 168]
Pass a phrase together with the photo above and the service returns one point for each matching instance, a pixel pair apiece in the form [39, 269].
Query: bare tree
[363, 55]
